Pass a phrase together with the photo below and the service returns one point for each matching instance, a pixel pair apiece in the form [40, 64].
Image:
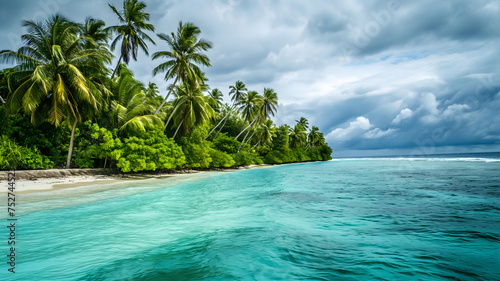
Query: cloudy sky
[378, 77]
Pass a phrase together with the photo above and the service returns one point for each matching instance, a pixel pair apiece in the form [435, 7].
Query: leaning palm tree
[266, 107]
[190, 109]
[266, 132]
[133, 20]
[184, 57]
[57, 78]
[236, 92]
[249, 105]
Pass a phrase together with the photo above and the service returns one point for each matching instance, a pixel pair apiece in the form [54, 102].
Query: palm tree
[314, 137]
[57, 78]
[303, 122]
[133, 21]
[249, 105]
[183, 57]
[298, 136]
[236, 92]
[94, 30]
[152, 90]
[191, 108]
[133, 109]
[266, 132]
[152, 93]
[215, 99]
[265, 108]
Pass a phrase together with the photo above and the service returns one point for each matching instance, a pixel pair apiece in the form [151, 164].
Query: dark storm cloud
[373, 75]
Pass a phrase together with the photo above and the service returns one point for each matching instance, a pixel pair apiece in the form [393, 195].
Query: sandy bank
[28, 181]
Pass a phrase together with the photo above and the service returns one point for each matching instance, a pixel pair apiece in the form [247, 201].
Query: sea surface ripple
[364, 219]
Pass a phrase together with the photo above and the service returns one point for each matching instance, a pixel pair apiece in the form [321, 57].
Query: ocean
[421, 218]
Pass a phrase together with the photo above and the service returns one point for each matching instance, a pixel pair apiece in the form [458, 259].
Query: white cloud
[355, 128]
[429, 106]
[377, 133]
[359, 128]
[404, 114]
[454, 110]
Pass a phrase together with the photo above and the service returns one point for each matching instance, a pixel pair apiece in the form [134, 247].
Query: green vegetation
[66, 106]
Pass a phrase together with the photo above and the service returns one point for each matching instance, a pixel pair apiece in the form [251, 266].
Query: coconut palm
[184, 57]
[269, 103]
[265, 132]
[94, 30]
[303, 122]
[265, 108]
[152, 90]
[216, 99]
[298, 136]
[236, 92]
[314, 137]
[249, 105]
[132, 109]
[190, 109]
[57, 75]
[133, 20]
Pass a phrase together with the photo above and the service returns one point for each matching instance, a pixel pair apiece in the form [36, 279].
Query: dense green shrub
[50, 141]
[103, 143]
[326, 152]
[226, 144]
[13, 155]
[196, 149]
[246, 158]
[221, 159]
[273, 157]
[152, 151]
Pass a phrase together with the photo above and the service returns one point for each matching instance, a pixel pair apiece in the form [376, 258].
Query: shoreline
[31, 181]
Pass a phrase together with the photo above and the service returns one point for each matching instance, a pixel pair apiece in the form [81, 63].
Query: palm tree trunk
[165, 99]
[251, 124]
[116, 68]
[256, 144]
[218, 124]
[221, 127]
[105, 160]
[175, 134]
[170, 117]
[70, 151]
[245, 138]
[223, 119]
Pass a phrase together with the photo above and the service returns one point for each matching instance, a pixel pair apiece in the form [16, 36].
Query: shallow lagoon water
[355, 219]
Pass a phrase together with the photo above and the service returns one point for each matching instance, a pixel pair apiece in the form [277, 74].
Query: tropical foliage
[66, 106]
[133, 20]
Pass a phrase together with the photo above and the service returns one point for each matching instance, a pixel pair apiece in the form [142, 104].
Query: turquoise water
[369, 219]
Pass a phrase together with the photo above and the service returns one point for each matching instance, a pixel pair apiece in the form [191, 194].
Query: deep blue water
[363, 219]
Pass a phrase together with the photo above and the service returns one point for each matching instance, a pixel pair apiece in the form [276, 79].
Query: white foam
[433, 159]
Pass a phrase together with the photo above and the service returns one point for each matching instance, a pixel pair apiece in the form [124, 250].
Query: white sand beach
[50, 184]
